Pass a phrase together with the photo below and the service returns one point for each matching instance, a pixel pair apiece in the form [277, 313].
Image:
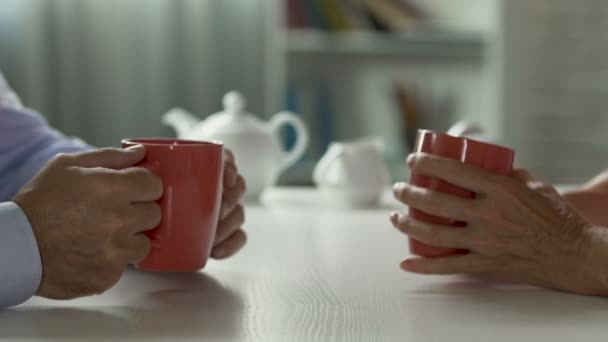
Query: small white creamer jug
[353, 174]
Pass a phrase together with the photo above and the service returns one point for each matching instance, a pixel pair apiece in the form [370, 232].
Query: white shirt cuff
[20, 264]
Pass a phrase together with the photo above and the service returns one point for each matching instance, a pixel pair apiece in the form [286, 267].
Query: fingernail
[394, 218]
[219, 253]
[399, 187]
[135, 148]
[410, 160]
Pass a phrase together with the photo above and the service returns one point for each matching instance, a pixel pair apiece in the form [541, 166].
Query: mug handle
[155, 240]
[302, 137]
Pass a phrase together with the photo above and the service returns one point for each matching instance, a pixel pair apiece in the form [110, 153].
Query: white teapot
[260, 157]
[353, 174]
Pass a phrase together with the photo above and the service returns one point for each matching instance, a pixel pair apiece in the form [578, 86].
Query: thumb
[110, 158]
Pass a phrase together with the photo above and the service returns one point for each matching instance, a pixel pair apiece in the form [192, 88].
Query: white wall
[556, 87]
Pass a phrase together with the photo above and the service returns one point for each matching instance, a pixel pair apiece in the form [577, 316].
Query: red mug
[493, 158]
[192, 177]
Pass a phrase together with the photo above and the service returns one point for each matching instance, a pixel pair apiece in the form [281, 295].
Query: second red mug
[493, 158]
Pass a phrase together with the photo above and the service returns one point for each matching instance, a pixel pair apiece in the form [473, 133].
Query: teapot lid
[234, 117]
[234, 102]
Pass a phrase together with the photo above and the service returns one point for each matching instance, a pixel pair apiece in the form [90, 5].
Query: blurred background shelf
[102, 69]
[418, 44]
[531, 73]
[358, 72]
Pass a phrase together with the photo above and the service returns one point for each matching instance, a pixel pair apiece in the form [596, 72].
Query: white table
[312, 275]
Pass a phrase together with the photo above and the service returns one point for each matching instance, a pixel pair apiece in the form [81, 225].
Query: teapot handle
[302, 137]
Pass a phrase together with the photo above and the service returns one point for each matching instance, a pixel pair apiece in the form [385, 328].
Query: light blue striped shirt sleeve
[26, 144]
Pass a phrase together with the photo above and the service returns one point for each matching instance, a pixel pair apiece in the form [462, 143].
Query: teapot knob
[234, 102]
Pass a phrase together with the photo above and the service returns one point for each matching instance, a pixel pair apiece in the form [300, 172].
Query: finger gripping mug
[492, 158]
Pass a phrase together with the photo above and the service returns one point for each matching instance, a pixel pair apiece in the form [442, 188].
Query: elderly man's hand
[89, 212]
[230, 238]
[517, 229]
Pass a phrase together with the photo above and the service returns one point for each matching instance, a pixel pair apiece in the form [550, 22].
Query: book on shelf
[351, 15]
[409, 112]
[325, 115]
[392, 16]
[317, 17]
[296, 17]
[355, 13]
[336, 16]
[420, 108]
[313, 103]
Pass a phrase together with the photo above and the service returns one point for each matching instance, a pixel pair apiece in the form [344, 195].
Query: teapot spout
[181, 121]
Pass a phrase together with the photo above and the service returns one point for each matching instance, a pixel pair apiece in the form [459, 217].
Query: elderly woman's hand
[230, 237]
[517, 229]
